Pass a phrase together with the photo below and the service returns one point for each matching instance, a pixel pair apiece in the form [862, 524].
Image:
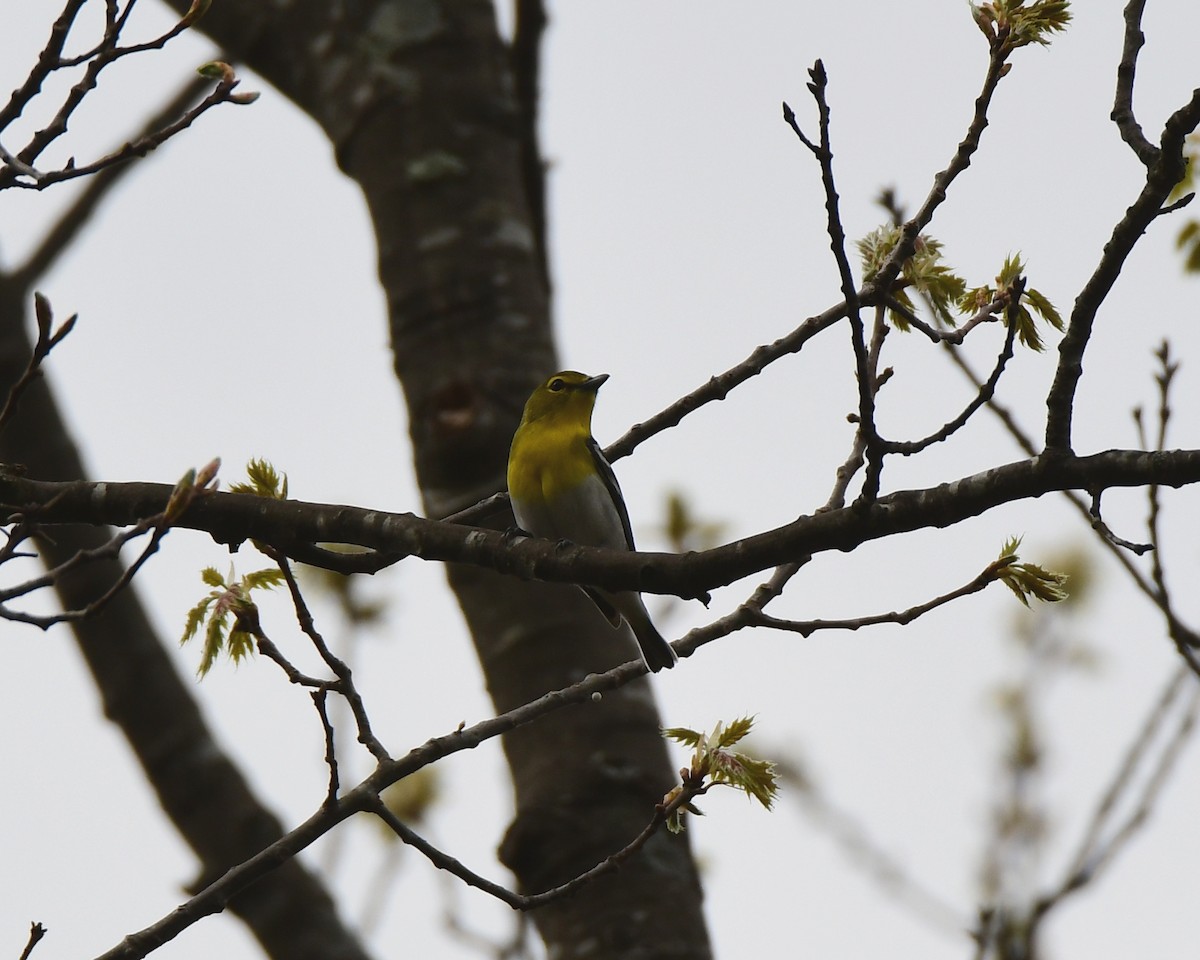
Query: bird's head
[566, 394]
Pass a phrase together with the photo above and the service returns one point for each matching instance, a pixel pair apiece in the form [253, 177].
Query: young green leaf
[925, 271]
[1020, 24]
[232, 615]
[263, 480]
[715, 764]
[1028, 580]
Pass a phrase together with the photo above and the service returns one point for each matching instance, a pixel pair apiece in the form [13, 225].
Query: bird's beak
[594, 383]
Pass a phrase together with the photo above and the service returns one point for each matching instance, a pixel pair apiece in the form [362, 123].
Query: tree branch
[234, 518]
[984, 394]
[1122, 111]
[66, 228]
[806, 628]
[365, 798]
[1161, 177]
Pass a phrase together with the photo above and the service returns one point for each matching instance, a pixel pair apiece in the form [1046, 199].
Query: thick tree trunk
[417, 98]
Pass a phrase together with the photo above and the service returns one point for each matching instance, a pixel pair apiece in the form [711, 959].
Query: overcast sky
[228, 307]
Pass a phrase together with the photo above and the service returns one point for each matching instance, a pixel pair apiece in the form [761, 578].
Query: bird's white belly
[584, 514]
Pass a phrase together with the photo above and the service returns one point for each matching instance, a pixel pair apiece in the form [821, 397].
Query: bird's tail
[657, 653]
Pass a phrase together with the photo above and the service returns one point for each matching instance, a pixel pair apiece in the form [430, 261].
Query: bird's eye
[557, 384]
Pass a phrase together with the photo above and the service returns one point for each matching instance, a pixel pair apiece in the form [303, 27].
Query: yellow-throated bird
[562, 488]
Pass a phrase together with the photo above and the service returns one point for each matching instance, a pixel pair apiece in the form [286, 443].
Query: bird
[562, 488]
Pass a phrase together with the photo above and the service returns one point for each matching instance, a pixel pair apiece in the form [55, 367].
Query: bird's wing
[606, 474]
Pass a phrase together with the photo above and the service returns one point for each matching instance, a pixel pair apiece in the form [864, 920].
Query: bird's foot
[516, 533]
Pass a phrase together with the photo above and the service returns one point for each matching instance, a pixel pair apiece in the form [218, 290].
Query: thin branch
[517, 901]
[849, 467]
[47, 62]
[985, 393]
[66, 228]
[364, 798]
[1161, 177]
[719, 387]
[267, 648]
[18, 169]
[955, 335]
[806, 628]
[1122, 111]
[345, 680]
[1109, 535]
[106, 551]
[878, 286]
[36, 932]
[46, 341]
[319, 701]
[743, 616]
[318, 690]
[1186, 640]
[194, 486]
[817, 86]
[40, 180]
[1163, 379]
[443, 861]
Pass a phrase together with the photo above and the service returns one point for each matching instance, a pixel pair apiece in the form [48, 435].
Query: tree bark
[417, 99]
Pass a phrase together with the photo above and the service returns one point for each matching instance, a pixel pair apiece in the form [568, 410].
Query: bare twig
[955, 335]
[881, 284]
[158, 526]
[47, 62]
[47, 340]
[40, 180]
[365, 798]
[18, 165]
[517, 901]
[985, 393]
[267, 648]
[319, 691]
[806, 628]
[719, 387]
[68, 224]
[1122, 111]
[1163, 379]
[817, 86]
[345, 680]
[319, 701]
[36, 932]
[1108, 534]
[858, 446]
[1162, 174]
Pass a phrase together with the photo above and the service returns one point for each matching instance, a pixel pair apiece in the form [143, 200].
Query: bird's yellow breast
[547, 459]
